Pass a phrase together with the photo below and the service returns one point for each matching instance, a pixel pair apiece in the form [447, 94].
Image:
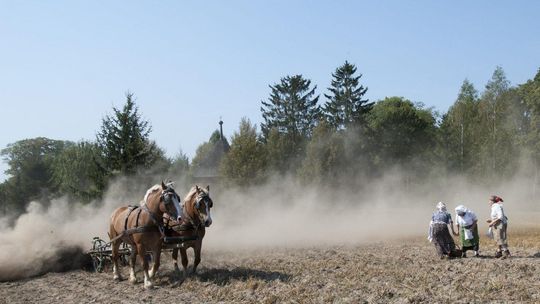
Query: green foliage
[484, 137]
[481, 136]
[530, 96]
[179, 165]
[495, 136]
[345, 105]
[245, 162]
[30, 164]
[78, 171]
[283, 154]
[291, 108]
[402, 131]
[209, 155]
[289, 117]
[325, 159]
[124, 140]
[459, 130]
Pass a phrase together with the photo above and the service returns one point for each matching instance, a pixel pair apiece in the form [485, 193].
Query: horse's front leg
[156, 254]
[147, 280]
[183, 255]
[114, 256]
[197, 250]
[175, 261]
[132, 261]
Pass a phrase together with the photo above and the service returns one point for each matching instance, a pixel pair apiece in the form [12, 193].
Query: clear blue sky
[65, 64]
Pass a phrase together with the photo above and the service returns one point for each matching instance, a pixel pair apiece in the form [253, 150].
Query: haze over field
[327, 133]
[280, 214]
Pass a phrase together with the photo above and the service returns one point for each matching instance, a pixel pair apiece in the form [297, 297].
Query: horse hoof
[133, 281]
[148, 286]
[177, 282]
[117, 278]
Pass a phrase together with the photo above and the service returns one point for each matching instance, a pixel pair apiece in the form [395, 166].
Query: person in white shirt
[499, 223]
[467, 226]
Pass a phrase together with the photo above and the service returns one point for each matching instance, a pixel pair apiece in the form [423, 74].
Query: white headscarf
[467, 219]
[461, 208]
[441, 206]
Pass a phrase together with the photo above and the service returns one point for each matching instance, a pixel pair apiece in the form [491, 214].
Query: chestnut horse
[195, 218]
[142, 228]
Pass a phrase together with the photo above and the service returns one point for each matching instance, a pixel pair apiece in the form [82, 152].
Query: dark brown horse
[195, 218]
[142, 228]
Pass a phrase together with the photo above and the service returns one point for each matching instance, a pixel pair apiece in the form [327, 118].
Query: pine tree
[124, 140]
[290, 114]
[292, 108]
[345, 105]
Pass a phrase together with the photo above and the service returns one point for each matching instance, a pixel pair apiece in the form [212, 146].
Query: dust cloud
[41, 239]
[281, 213]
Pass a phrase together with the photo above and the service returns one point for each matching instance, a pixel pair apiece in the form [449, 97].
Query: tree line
[340, 139]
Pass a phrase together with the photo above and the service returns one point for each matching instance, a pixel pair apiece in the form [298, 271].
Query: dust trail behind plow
[280, 213]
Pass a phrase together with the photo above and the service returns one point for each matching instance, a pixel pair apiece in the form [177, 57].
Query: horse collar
[153, 217]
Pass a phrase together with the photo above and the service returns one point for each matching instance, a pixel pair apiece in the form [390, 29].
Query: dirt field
[387, 272]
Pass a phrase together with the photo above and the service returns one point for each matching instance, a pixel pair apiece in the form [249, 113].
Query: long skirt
[443, 241]
[471, 243]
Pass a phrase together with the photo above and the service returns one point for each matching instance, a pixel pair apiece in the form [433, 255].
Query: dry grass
[384, 272]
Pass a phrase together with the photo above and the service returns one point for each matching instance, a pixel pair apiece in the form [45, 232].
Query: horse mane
[151, 191]
[192, 192]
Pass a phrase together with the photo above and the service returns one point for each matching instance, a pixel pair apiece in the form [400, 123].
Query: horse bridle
[204, 197]
[165, 194]
[197, 223]
[162, 200]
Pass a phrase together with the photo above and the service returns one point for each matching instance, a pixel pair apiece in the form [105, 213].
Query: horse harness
[146, 228]
[142, 229]
[188, 223]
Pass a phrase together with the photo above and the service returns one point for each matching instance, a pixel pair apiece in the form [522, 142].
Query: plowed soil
[399, 271]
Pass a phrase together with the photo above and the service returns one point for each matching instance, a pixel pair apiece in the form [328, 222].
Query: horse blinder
[165, 196]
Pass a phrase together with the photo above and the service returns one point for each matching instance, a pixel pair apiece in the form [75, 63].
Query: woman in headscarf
[467, 224]
[439, 234]
[498, 224]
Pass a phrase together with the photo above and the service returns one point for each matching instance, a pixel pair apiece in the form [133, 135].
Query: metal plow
[101, 252]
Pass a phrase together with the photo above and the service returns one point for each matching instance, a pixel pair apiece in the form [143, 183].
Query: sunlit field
[404, 271]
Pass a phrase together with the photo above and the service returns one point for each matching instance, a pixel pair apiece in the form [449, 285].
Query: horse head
[170, 200]
[199, 203]
[166, 201]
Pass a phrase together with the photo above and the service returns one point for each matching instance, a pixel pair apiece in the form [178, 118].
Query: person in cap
[499, 224]
[467, 224]
[439, 234]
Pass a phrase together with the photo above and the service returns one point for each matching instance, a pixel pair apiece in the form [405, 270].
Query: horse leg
[156, 254]
[197, 250]
[183, 254]
[175, 259]
[142, 253]
[114, 256]
[132, 260]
